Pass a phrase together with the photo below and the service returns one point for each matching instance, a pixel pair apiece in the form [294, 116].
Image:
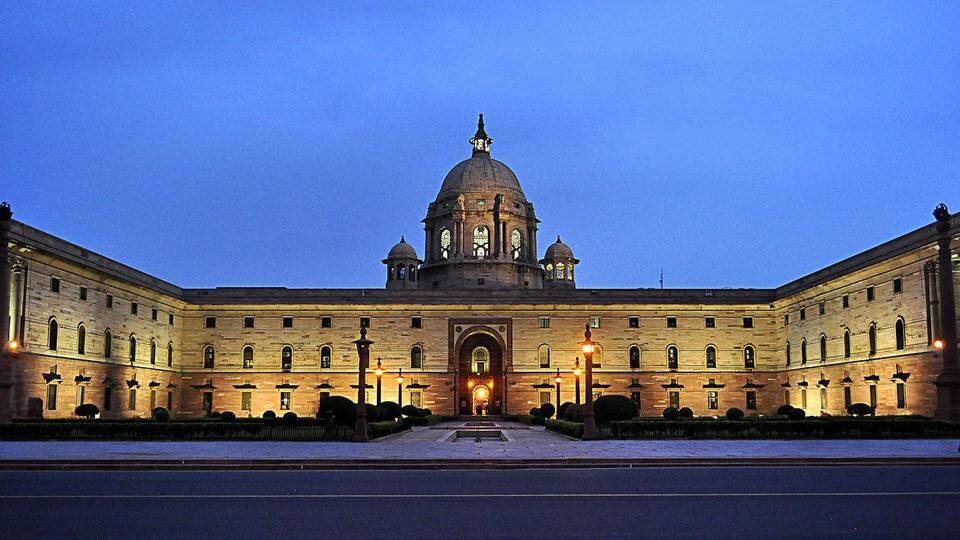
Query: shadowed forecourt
[641, 502]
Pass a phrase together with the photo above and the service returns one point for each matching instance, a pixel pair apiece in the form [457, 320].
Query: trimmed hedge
[389, 427]
[343, 409]
[571, 429]
[531, 420]
[574, 413]
[429, 420]
[889, 427]
[613, 407]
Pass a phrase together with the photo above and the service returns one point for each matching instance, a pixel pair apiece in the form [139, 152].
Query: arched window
[81, 340]
[570, 271]
[153, 351]
[549, 272]
[53, 333]
[561, 270]
[416, 357]
[901, 335]
[823, 348]
[107, 344]
[209, 357]
[872, 338]
[788, 353]
[516, 244]
[634, 357]
[543, 356]
[711, 356]
[286, 357]
[749, 357]
[846, 343]
[412, 273]
[479, 360]
[248, 357]
[170, 354]
[673, 357]
[803, 351]
[444, 243]
[133, 348]
[325, 354]
[481, 241]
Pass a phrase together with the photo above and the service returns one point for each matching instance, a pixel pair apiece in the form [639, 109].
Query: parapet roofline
[33, 238]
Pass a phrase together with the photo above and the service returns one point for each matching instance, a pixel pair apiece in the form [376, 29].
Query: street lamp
[379, 372]
[400, 387]
[588, 346]
[363, 351]
[576, 374]
[557, 380]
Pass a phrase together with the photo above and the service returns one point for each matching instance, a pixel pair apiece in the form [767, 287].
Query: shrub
[535, 411]
[160, 414]
[571, 429]
[734, 413]
[389, 410]
[373, 412]
[614, 407]
[87, 410]
[574, 413]
[547, 410]
[428, 420]
[409, 410]
[228, 416]
[269, 415]
[380, 429]
[784, 410]
[860, 409]
[562, 411]
[685, 413]
[214, 414]
[425, 412]
[797, 414]
[671, 413]
[343, 409]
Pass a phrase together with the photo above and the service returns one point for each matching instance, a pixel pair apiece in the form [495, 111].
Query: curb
[453, 464]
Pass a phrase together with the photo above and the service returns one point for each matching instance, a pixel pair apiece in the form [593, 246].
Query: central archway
[480, 366]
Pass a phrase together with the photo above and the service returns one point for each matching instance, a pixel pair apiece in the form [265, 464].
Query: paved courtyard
[528, 443]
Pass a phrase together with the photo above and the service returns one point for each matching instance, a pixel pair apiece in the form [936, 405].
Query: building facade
[480, 323]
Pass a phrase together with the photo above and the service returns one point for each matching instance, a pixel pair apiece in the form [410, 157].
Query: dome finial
[480, 141]
[402, 240]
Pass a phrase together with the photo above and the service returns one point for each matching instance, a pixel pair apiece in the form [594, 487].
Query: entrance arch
[480, 369]
[480, 404]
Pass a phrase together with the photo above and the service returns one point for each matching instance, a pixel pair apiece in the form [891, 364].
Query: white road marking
[486, 495]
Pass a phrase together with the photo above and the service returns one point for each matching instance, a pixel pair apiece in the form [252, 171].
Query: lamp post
[576, 374]
[557, 380]
[588, 346]
[379, 372]
[948, 381]
[400, 388]
[363, 351]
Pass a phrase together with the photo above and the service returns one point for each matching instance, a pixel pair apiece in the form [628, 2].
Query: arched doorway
[480, 374]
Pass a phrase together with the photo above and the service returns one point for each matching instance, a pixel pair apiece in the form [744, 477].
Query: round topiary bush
[409, 411]
[535, 412]
[734, 413]
[214, 414]
[612, 408]
[797, 414]
[290, 418]
[562, 411]
[389, 410]
[574, 413]
[228, 416]
[860, 409]
[685, 413]
[373, 412]
[160, 414]
[269, 415]
[784, 410]
[344, 410]
[547, 410]
[425, 412]
[87, 410]
[671, 413]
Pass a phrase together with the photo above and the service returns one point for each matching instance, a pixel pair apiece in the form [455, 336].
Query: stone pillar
[948, 382]
[6, 369]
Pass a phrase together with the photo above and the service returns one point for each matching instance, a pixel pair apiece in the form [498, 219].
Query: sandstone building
[480, 319]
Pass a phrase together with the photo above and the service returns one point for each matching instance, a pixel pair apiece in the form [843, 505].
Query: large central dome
[480, 173]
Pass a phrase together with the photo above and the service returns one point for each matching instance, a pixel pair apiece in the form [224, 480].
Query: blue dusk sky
[290, 144]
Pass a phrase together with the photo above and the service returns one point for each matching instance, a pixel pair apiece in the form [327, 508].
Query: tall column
[948, 382]
[6, 369]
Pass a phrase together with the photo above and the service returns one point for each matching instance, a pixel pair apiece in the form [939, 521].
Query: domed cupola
[403, 266]
[481, 232]
[558, 263]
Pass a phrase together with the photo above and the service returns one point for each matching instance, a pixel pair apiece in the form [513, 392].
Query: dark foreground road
[769, 502]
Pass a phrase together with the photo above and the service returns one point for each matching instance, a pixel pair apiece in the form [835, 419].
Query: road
[763, 501]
